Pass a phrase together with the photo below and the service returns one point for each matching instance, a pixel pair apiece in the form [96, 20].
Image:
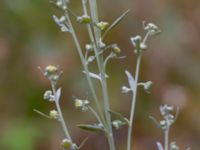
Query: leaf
[177, 113]
[58, 94]
[88, 127]
[83, 143]
[159, 145]
[155, 121]
[93, 75]
[116, 22]
[119, 116]
[131, 80]
[41, 113]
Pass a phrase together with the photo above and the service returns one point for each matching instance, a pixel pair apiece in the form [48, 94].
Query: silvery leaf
[131, 80]
[58, 94]
[93, 75]
[159, 145]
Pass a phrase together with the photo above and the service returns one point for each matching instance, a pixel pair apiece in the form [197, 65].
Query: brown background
[30, 38]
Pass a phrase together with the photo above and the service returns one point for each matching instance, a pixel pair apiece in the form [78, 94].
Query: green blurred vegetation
[30, 38]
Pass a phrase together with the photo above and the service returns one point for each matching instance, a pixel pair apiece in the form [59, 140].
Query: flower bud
[148, 86]
[84, 19]
[48, 95]
[102, 25]
[81, 104]
[166, 110]
[66, 143]
[152, 29]
[117, 124]
[125, 89]
[137, 43]
[51, 69]
[53, 114]
[116, 49]
[163, 124]
[88, 47]
[173, 146]
[59, 3]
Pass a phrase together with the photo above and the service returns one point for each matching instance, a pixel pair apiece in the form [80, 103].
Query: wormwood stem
[133, 102]
[89, 28]
[60, 119]
[166, 139]
[134, 96]
[100, 62]
[77, 44]
[95, 114]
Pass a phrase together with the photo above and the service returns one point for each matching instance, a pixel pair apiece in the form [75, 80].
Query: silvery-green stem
[83, 63]
[89, 28]
[60, 119]
[95, 114]
[134, 96]
[166, 139]
[100, 62]
[133, 103]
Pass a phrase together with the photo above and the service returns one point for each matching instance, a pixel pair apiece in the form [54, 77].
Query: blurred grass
[29, 38]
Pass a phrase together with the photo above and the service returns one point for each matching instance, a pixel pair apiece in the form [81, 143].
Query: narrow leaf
[83, 143]
[41, 113]
[159, 145]
[116, 22]
[131, 80]
[88, 127]
[58, 94]
[155, 121]
[177, 113]
[119, 116]
[93, 75]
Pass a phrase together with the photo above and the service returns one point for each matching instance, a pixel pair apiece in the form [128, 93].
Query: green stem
[133, 102]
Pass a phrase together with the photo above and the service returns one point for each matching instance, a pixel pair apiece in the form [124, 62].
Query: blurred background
[29, 38]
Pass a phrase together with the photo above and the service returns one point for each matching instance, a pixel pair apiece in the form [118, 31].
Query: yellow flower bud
[66, 143]
[53, 114]
[51, 69]
[102, 25]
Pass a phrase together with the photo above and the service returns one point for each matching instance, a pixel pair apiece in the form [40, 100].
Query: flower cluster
[81, 105]
[53, 74]
[168, 118]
